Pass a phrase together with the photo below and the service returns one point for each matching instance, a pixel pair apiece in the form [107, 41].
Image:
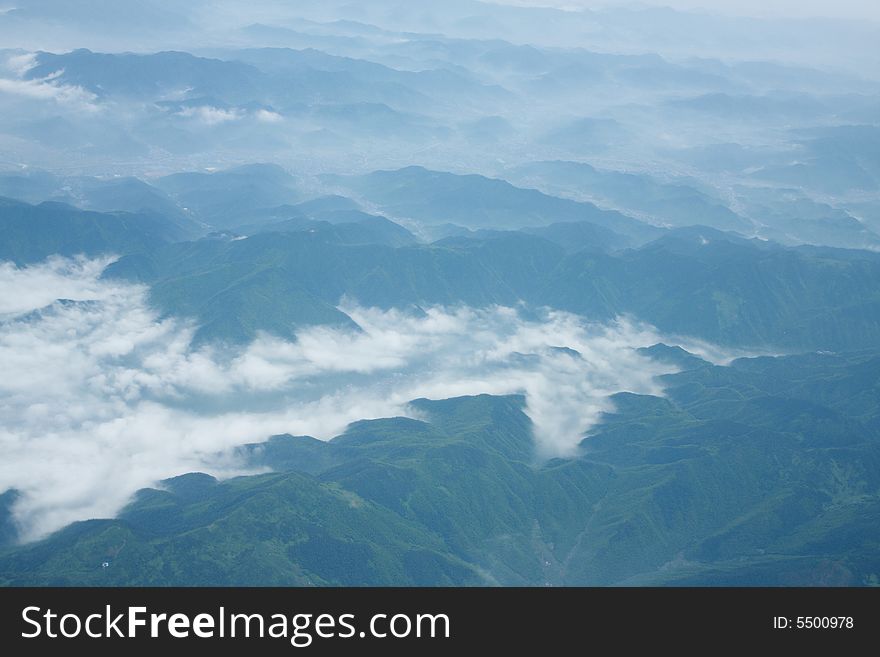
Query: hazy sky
[859, 9]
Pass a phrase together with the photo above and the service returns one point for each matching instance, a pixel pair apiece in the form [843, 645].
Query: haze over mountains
[440, 293]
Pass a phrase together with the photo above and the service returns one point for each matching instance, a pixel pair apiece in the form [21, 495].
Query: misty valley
[437, 294]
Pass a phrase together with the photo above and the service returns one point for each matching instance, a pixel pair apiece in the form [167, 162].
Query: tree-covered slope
[695, 281]
[729, 290]
[34, 232]
[480, 202]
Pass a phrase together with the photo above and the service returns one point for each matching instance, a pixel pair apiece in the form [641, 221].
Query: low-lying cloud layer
[212, 116]
[99, 397]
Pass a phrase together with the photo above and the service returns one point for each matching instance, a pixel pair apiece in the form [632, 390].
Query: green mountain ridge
[310, 208]
[32, 233]
[476, 201]
[694, 281]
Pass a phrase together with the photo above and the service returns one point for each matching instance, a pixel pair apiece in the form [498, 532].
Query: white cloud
[211, 115]
[100, 397]
[268, 116]
[49, 88]
[18, 65]
[22, 290]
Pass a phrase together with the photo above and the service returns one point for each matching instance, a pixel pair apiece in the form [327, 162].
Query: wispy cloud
[101, 397]
[211, 115]
[19, 65]
[49, 88]
[268, 116]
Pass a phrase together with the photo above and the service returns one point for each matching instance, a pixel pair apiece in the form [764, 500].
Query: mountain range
[454, 293]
